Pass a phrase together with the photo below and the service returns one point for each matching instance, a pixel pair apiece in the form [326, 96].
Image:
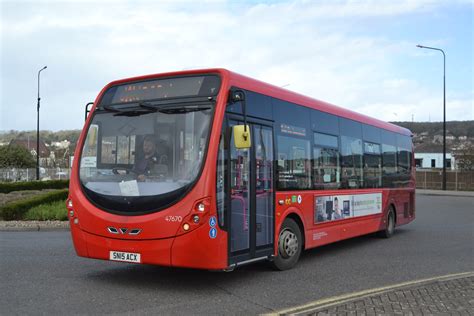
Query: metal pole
[456, 170]
[444, 110]
[444, 121]
[37, 125]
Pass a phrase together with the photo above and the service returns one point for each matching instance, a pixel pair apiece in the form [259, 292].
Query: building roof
[429, 148]
[31, 146]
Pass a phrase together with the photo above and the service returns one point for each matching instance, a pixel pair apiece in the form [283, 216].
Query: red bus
[210, 169]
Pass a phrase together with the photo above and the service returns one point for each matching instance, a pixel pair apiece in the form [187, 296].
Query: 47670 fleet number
[173, 219]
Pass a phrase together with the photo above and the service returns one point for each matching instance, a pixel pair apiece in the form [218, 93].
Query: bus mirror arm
[88, 109]
[241, 133]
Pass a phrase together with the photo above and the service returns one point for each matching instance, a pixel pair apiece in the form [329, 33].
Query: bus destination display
[163, 89]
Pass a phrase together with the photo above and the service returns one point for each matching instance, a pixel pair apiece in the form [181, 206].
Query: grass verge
[7, 187]
[46, 212]
[16, 210]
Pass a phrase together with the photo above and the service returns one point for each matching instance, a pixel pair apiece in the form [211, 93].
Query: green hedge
[16, 210]
[6, 187]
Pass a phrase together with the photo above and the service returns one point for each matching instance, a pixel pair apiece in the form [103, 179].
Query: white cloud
[302, 43]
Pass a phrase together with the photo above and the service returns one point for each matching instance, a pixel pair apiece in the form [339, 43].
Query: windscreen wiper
[130, 111]
[148, 107]
[177, 108]
[184, 109]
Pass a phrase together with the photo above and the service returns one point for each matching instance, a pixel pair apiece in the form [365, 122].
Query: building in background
[30, 144]
[434, 161]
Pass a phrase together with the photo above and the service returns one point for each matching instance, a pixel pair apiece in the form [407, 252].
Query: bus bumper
[156, 251]
[192, 250]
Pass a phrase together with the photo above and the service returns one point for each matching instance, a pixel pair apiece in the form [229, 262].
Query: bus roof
[244, 82]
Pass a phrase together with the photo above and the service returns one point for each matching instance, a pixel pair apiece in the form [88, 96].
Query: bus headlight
[69, 204]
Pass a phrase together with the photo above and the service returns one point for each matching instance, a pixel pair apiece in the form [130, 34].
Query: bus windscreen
[176, 87]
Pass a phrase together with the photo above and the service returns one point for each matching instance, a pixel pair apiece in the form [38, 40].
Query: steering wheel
[127, 170]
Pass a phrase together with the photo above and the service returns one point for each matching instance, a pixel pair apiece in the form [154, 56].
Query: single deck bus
[210, 169]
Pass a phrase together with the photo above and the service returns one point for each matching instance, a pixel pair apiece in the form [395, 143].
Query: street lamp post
[444, 110]
[37, 125]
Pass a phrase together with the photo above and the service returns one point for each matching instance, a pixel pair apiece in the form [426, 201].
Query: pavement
[448, 193]
[33, 225]
[445, 295]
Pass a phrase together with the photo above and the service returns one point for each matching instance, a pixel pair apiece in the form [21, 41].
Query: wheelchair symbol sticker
[212, 221]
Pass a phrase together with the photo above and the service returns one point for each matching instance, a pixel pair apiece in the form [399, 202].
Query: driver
[150, 158]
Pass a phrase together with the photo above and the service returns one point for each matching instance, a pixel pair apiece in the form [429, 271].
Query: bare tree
[464, 155]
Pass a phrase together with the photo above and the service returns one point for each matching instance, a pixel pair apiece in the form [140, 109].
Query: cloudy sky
[356, 54]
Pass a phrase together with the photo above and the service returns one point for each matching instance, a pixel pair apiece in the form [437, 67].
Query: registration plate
[125, 256]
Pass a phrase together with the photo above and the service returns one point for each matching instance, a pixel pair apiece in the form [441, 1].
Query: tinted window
[388, 138]
[293, 145]
[389, 159]
[371, 133]
[350, 128]
[351, 162]
[259, 105]
[372, 165]
[326, 169]
[291, 114]
[404, 159]
[234, 107]
[351, 153]
[324, 122]
[325, 140]
[294, 163]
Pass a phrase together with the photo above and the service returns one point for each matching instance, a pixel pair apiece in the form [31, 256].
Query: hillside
[47, 136]
[454, 128]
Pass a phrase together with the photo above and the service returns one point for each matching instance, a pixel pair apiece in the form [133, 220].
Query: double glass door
[251, 195]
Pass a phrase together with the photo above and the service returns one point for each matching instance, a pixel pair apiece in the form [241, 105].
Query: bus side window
[292, 127]
[351, 154]
[389, 159]
[372, 165]
[404, 158]
[326, 168]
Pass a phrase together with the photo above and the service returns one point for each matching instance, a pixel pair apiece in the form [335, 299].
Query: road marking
[340, 299]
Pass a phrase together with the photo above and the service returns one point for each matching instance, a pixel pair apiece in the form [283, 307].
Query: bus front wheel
[390, 227]
[290, 244]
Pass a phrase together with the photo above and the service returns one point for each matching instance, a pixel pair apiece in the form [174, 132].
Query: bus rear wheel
[290, 244]
[390, 228]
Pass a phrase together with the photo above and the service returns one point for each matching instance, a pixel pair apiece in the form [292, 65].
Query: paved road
[39, 272]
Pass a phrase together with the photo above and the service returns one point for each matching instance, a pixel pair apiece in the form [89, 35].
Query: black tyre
[290, 245]
[390, 228]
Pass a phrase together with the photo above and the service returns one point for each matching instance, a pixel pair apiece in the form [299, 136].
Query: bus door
[251, 196]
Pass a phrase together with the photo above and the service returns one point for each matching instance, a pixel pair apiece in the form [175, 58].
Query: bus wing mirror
[241, 136]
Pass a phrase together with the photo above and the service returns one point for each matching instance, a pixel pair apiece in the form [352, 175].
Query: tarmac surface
[40, 274]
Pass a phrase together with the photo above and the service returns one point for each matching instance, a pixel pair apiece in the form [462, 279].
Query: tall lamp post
[38, 125]
[444, 110]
